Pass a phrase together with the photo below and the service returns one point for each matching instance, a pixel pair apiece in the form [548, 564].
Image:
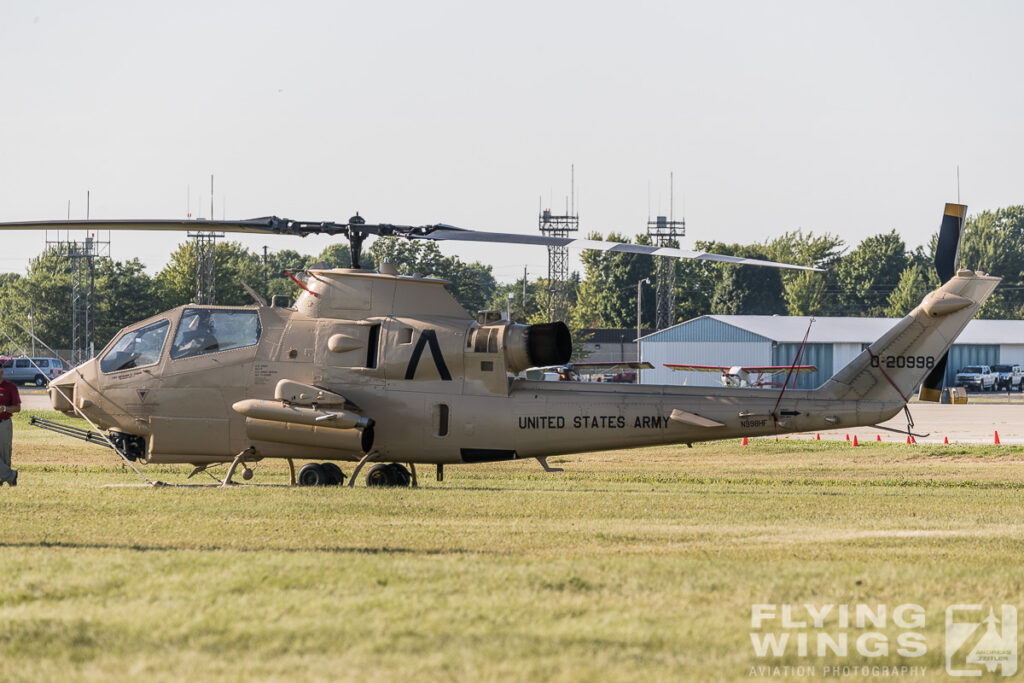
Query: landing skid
[239, 459]
[902, 431]
[548, 468]
[369, 457]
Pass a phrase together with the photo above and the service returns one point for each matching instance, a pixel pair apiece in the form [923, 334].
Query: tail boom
[894, 365]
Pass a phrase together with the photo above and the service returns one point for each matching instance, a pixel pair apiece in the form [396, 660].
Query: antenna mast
[558, 257]
[205, 242]
[82, 256]
[666, 232]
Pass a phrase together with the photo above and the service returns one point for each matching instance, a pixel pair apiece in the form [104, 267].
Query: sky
[842, 117]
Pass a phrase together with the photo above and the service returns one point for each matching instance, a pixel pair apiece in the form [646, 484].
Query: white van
[38, 371]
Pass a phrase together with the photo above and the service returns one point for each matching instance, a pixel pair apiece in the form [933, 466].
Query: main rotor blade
[438, 232]
[447, 232]
[268, 224]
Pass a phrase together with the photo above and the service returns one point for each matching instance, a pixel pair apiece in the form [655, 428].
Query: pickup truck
[979, 377]
[1010, 377]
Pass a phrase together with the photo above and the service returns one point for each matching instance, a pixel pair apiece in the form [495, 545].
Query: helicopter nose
[62, 393]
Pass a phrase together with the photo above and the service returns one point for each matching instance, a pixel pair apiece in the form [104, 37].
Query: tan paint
[183, 408]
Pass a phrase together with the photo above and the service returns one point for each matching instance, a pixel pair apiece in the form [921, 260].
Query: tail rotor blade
[947, 252]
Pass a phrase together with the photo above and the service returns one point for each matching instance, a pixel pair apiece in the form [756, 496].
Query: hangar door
[969, 354]
[818, 355]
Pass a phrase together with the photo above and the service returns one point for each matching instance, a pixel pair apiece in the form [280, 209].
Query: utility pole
[639, 293]
[524, 294]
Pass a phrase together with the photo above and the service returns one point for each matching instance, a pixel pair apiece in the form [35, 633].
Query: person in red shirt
[10, 403]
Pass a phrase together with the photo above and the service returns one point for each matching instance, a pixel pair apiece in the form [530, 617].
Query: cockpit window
[137, 348]
[202, 330]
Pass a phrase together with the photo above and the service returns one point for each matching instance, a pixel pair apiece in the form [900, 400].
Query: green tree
[744, 290]
[522, 308]
[863, 279]
[695, 284]
[908, 292]
[607, 292]
[993, 242]
[45, 292]
[11, 338]
[747, 290]
[472, 284]
[337, 255]
[804, 291]
[233, 264]
[124, 294]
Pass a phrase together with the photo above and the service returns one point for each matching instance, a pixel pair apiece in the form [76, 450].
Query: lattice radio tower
[558, 257]
[206, 259]
[205, 242]
[82, 256]
[666, 232]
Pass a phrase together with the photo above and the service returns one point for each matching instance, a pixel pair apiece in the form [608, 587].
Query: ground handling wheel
[312, 474]
[400, 475]
[335, 477]
[388, 475]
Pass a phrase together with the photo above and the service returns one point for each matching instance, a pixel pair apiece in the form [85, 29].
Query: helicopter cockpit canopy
[199, 331]
[204, 330]
[137, 348]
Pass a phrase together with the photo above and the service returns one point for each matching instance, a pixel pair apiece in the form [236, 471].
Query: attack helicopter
[386, 370]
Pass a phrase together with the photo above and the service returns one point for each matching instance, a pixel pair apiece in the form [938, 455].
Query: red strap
[300, 284]
[796, 360]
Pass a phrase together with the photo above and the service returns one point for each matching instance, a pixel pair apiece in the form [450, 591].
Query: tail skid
[893, 366]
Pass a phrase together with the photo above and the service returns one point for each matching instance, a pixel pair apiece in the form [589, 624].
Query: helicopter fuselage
[370, 361]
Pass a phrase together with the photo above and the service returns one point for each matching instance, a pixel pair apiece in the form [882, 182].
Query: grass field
[630, 565]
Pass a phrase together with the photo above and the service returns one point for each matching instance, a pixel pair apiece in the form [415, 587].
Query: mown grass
[630, 565]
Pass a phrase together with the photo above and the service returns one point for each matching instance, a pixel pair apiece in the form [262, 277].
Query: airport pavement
[966, 423]
[34, 399]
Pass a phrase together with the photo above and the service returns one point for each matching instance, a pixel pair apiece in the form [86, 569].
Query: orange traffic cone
[817, 437]
[909, 440]
[878, 437]
[744, 442]
[997, 437]
[945, 440]
[847, 437]
[855, 444]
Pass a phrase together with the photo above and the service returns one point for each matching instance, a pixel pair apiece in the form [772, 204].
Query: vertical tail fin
[892, 367]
